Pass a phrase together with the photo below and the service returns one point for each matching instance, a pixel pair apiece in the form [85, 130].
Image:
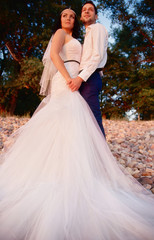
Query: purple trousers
[90, 90]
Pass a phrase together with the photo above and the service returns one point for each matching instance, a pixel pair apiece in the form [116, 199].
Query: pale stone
[140, 165]
[151, 133]
[141, 147]
[144, 173]
[129, 170]
[147, 186]
[131, 164]
[149, 170]
[150, 152]
[136, 174]
[149, 164]
[146, 180]
[152, 190]
[122, 161]
[119, 141]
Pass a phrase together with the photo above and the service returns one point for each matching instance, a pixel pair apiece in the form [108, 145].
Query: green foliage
[30, 73]
[27, 78]
[144, 101]
[25, 29]
[128, 80]
[27, 102]
[116, 97]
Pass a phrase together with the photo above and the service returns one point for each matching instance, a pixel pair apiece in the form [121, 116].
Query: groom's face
[88, 15]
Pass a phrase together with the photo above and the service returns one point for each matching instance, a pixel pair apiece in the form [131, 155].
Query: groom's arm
[99, 51]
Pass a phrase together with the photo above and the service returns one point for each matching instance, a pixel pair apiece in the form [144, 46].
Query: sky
[107, 24]
[104, 20]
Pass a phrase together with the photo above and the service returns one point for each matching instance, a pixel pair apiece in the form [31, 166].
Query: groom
[94, 57]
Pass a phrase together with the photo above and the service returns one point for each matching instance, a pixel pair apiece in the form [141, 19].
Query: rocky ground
[132, 143]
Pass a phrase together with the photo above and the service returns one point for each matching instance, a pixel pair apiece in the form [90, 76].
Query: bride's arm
[56, 46]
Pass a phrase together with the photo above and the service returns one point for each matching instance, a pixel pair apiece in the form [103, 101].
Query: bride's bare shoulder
[59, 37]
[60, 33]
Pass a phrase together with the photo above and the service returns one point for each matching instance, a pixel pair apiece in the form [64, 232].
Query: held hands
[74, 83]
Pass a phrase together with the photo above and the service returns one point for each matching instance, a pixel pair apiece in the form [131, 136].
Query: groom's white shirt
[94, 52]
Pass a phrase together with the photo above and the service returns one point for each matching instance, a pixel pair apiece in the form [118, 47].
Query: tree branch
[10, 48]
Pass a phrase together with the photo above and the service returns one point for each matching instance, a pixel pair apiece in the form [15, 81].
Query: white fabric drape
[48, 71]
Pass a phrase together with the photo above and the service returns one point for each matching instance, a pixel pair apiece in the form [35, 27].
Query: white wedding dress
[59, 179]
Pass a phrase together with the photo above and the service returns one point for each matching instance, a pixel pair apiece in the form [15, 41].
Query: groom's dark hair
[90, 2]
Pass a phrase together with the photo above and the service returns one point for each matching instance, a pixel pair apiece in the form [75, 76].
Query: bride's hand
[68, 80]
[75, 83]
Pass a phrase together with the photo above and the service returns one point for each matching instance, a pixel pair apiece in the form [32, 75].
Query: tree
[133, 54]
[116, 98]
[25, 29]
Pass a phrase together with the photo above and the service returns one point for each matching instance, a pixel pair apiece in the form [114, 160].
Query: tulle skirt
[60, 181]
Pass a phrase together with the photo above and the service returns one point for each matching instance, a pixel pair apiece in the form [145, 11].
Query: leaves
[129, 69]
[26, 27]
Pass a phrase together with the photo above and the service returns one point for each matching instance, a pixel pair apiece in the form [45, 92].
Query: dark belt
[71, 61]
[97, 70]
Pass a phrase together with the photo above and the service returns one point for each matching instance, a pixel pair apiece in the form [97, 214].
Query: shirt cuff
[83, 76]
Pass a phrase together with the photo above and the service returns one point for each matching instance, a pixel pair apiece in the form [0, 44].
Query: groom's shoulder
[99, 26]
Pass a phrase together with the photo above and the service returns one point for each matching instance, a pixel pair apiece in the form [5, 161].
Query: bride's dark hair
[76, 28]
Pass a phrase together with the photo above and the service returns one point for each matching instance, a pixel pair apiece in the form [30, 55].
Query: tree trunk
[13, 105]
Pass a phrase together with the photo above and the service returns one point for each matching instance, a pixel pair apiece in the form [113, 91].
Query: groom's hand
[75, 83]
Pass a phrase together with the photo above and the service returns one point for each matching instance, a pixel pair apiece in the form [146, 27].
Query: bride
[59, 179]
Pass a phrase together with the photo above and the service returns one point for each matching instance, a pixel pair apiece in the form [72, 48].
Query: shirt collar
[89, 27]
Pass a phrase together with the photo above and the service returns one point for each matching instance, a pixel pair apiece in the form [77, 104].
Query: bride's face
[67, 19]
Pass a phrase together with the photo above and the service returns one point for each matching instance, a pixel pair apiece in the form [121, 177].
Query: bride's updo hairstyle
[76, 28]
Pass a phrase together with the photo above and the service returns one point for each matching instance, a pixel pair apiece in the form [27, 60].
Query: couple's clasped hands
[74, 83]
